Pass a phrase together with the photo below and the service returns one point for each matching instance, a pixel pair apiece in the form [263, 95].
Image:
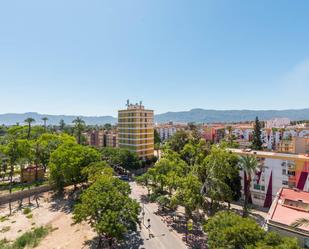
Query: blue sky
[88, 57]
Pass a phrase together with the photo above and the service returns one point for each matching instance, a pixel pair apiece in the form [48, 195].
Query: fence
[24, 194]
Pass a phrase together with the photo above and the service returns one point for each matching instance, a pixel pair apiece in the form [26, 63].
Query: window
[256, 186]
[284, 172]
[284, 182]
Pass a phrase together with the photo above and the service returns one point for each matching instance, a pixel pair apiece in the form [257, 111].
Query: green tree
[15, 151]
[229, 230]
[178, 141]
[97, 169]
[67, 161]
[157, 139]
[167, 172]
[188, 194]
[46, 144]
[257, 141]
[194, 153]
[275, 241]
[107, 126]
[79, 128]
[109, 210]
[249, 165]
[217, 172]
[121, 158]
[194, 132]
[29, 121]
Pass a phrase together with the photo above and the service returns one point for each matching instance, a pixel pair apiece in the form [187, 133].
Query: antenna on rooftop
[128, 102]
[140, 103]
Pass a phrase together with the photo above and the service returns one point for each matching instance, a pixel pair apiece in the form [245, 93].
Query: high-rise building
[136, 130]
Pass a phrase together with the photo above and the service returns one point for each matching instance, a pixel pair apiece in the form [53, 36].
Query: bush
[153, 197]
[27, 210]
[29, 216]
[30, 239]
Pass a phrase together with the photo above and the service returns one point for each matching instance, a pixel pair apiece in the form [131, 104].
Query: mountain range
[194, 115]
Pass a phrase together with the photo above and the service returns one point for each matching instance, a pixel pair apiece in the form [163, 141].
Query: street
[158, 236]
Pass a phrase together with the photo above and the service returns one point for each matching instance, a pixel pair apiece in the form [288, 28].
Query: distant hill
[13, 118]
[194, 115]
[210, 116]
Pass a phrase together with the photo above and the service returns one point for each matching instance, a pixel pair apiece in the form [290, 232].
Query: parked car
[124, 177]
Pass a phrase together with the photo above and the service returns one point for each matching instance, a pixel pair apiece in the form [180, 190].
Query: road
[161, 237]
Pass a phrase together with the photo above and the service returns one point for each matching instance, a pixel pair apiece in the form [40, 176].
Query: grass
[27, 240]
[29, 216]
[27, 210]
[5, 229]
[4, 218]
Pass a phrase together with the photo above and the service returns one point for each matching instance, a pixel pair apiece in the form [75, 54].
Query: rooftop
[270, 154]
[289, 205]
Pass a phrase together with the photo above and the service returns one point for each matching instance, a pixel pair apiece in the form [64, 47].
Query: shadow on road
[132, 241]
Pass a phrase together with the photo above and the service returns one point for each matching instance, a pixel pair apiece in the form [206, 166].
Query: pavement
[158, 235]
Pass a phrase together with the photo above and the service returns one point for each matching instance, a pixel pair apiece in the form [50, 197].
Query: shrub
[29, 216]
[27, 210]
[31, 239]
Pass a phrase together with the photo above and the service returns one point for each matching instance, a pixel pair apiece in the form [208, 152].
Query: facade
[102, 138]
[289, 205]
[166, 131]
[214, 133]
[298, 145]
[136, 130]
[276, 170]
[111, 139]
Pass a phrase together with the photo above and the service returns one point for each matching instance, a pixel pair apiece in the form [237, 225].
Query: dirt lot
[54, 211]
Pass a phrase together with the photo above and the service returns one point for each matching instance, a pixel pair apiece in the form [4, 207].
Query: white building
[276, 170]
[277, 123]
[165, 131]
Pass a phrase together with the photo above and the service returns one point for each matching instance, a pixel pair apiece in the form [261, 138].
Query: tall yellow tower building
[135, 130]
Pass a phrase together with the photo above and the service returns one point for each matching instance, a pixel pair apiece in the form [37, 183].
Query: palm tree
[300, 222]
[45, 121]
[29, 121]
[249, 165]
[79, 128]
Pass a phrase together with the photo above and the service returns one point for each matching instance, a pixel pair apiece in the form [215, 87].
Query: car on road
[124, 177]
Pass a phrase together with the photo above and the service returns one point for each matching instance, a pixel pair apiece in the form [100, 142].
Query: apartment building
[213, 133]
[136, 130]
[276, 170]
[102, 138]
[297, 145]
[95, 138]
[277, 123]
[166, 131]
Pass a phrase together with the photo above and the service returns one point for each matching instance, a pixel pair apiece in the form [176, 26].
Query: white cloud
[298, 77]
